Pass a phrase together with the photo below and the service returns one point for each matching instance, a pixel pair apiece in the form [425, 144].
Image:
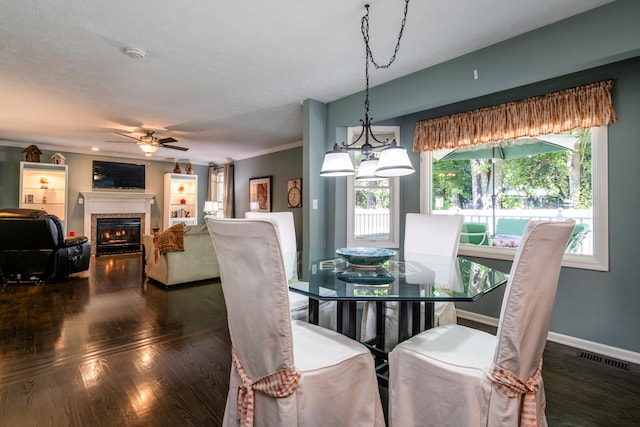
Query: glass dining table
[409, 278]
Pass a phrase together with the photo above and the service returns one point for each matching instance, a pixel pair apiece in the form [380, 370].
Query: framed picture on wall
[260, 194]
[294, 193]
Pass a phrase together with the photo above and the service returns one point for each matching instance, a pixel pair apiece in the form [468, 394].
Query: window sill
[585, 262]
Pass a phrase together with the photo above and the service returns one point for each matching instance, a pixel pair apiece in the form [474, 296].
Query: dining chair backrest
[255, 291]
[432, 234]
[288, 243]
[529, 295]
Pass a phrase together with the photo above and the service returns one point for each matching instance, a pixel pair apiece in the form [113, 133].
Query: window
[220, 186]
[498, 196]
[216, 190]
[373, 206]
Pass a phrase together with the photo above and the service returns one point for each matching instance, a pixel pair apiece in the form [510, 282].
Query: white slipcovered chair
[285, 372]
[299, 303]
[424, 235]
[459, 376]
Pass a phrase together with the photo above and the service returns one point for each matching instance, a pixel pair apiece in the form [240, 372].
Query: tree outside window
[496, 191]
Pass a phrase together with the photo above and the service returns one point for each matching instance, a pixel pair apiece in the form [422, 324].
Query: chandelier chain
[364, 28]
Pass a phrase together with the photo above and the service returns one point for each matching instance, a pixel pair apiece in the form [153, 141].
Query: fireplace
[117, 235]
[98, 204]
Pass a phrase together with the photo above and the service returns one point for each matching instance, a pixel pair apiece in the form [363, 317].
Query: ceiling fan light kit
[394, 160]
[148, 148]
[149, 144]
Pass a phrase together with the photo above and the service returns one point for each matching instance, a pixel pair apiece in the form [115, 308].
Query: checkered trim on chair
[280, 384]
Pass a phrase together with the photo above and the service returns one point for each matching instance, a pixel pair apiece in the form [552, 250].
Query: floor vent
[604, 360]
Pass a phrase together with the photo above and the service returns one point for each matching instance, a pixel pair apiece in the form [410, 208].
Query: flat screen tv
[115, 175]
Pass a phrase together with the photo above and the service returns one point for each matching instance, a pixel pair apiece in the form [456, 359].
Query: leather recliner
[33, 247]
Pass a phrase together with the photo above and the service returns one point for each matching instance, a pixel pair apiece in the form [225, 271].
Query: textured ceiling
[224, 78]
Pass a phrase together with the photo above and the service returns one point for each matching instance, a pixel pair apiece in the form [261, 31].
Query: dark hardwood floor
[110, 349]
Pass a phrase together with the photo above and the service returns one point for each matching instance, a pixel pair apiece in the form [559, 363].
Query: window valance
[579, 107]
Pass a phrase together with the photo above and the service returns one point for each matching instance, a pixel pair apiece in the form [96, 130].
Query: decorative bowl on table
[365, 257]
[369, 276]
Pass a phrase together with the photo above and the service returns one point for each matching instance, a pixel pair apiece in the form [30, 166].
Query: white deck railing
[371, 223]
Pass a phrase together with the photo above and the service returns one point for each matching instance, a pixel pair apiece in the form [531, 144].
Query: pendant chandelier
[393, 160]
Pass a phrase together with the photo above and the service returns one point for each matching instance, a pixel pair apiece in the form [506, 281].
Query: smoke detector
[134, 52]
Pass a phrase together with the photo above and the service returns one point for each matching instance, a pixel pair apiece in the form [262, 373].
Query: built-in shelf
[180, 199]
[43, 186]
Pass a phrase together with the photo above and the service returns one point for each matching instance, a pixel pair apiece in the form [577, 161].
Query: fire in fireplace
[117, 235]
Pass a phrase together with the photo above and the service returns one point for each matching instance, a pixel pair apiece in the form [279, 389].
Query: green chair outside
[475, 233]
[511, 226]
[578, 235]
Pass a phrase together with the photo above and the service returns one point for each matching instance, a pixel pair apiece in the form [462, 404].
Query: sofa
[33, 248]
[196, 262]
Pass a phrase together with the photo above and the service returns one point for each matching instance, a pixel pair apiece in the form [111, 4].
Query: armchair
[34, 249]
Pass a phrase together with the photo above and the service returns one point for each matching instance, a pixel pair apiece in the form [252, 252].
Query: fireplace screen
[117, 235]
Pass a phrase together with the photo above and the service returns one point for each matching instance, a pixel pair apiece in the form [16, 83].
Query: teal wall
[281, 166]
[80, 178]
[601, 307]
[315, 187]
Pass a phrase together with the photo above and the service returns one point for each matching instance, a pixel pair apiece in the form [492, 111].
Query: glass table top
[410, 277]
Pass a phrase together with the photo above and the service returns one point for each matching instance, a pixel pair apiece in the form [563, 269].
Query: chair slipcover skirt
[334, 389]
[442, 356]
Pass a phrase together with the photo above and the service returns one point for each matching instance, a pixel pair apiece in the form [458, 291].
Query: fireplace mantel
[104, 202]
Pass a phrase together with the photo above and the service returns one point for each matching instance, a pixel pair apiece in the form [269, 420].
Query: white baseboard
[593, 347]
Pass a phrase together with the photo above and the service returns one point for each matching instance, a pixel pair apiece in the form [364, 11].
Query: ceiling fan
[149, 143]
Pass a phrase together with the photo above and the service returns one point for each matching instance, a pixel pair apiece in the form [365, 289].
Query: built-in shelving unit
[44, 186]
[180, 199]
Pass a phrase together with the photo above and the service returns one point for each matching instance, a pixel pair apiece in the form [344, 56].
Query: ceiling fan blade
[173, 147]
[166, 140]
[120, 142]
[128, 136]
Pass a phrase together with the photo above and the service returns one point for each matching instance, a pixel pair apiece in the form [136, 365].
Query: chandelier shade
[337, 163]
[367, 170]
[394, 161]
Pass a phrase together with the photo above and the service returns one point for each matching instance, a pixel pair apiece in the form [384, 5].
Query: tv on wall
[115, 175]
